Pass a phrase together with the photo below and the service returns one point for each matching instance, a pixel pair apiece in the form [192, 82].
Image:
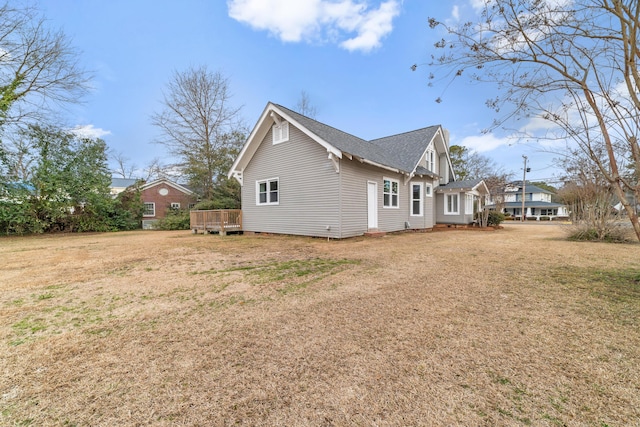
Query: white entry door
[372, 205]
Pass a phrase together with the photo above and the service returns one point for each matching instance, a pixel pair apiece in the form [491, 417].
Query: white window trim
[428, 189]
[391, 206]
[468, 207]
[446, 204]
[267, 181]
[431, 159]
[411, 199]
[154, 209]
[280, 132]
[175, 205]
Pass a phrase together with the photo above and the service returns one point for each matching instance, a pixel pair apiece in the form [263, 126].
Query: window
[390, 193]
[149, 209]
[192, 205]
[175, 205]
[468, 207]
[428, 190]
[451, 204]
[431, 160]
[267, 192]
[280, 132]
[416, 199]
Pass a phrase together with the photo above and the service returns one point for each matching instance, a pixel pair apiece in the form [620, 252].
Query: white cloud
[486, 142]
[312, 20]
[455, 13]
[479, 5]
[88, 131]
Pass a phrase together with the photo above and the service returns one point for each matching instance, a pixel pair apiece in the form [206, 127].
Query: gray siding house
[300, 176]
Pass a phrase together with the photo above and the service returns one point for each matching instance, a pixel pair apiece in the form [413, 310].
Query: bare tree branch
[39, 70]
[305, 107]
[199, 126]
[572, 64]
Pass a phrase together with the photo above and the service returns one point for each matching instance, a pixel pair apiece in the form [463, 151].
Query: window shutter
[281, 132]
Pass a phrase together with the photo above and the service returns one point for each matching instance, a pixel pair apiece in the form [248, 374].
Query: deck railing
[221, 221]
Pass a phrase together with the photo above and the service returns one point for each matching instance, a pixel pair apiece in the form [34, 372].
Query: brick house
[162, 195]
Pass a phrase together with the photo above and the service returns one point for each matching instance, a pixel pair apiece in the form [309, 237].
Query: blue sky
[352, 57]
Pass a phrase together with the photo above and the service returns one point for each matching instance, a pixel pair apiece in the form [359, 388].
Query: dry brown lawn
[512, 327]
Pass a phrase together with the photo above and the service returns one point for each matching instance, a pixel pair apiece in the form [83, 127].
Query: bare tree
[155, 169]
[572, 64]
[199, 126]
[19, 157]
[123, 166]
[39, 69]
[305, 107]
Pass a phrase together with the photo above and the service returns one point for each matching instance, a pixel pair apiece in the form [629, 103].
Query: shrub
[128, 210]
[176, 219]
[609, 234]
[495, 218]
[206, 205]
[219, 203]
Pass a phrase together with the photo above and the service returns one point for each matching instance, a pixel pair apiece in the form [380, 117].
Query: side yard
[513, 327]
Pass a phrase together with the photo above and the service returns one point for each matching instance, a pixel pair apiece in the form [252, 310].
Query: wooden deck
[220, 221]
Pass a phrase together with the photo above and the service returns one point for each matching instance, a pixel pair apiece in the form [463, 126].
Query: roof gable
[400, 153]
[169, 183]
[409, 147]
[467, 185]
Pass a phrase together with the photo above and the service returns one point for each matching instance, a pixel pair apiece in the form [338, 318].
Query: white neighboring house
[118, 185]
[537, 202]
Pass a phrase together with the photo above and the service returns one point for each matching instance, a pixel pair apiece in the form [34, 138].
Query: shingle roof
[529, 204]
[402, 151]
[470, 183]
[529, 188]
[407, 148]
[424, 171]
[122, 182]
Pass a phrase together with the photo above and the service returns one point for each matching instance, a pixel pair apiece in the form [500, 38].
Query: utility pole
[524, 185]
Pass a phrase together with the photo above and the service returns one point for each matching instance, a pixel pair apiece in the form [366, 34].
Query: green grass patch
[554, 420]
[287, 276]
[54, 320]
[280, 270]
[27, 329]
[28, 325]
[517, 394]
[615, 286]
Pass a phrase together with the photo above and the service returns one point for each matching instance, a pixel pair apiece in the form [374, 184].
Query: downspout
[340, 201]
